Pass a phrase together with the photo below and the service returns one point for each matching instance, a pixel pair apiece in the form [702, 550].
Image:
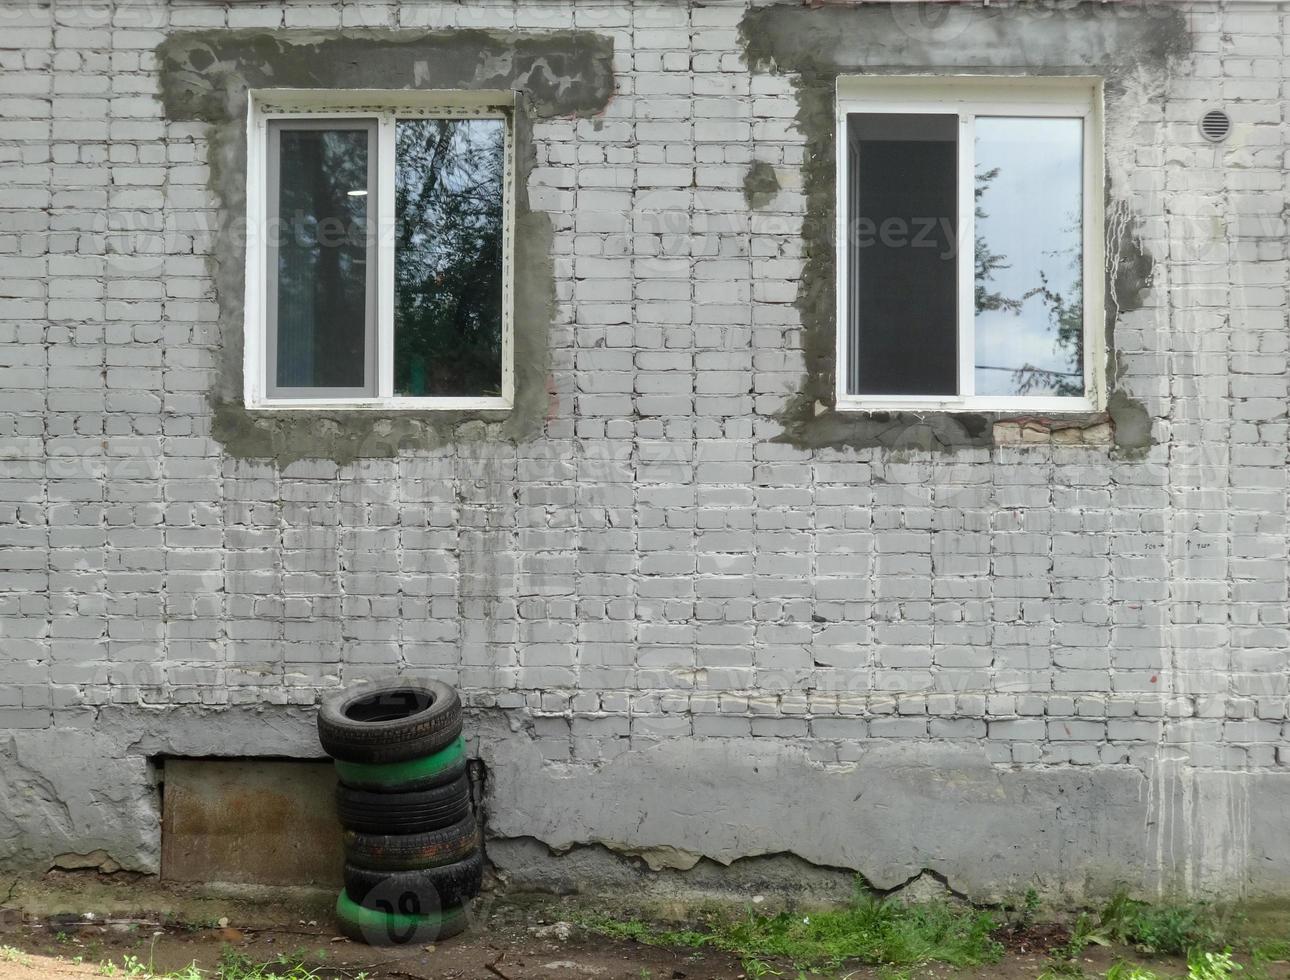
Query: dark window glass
[448, 256]
[323, 294]
[902, 246]
[1029, 256]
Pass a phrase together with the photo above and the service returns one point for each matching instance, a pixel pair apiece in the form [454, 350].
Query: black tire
[423, 892]
[410, 852]
[403, 813]
[390, 722]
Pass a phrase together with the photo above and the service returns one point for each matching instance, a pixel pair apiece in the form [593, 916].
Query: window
[379, 250]
[969, 243]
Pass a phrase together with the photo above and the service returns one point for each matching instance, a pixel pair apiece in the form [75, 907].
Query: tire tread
[410, 852]
[431, 889]
[396, 740]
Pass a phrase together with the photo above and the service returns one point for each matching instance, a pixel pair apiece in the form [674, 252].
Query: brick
[656, 561]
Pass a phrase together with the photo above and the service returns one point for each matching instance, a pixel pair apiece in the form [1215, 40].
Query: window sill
[960, 423]
[1012, 406]
[380, 405]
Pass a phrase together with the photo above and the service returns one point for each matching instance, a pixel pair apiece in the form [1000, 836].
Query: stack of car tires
[412, 857]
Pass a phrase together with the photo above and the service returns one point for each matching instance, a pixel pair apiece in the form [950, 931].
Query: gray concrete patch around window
[816, 46]
[205, 76]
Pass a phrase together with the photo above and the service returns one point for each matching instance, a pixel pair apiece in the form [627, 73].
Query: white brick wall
[654, 565]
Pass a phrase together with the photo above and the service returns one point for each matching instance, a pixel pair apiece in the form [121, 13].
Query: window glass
[1029, 256]
[902, 227]
[323, 293]
[448, 256]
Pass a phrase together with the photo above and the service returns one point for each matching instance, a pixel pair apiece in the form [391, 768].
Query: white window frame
[383, 107]
[969, 96]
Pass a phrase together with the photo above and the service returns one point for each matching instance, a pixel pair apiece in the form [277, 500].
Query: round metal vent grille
[1215, 125]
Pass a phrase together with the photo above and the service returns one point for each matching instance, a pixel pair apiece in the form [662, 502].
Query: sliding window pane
[449, 198]
[1029, 256]
[322, 293]
[902, 293]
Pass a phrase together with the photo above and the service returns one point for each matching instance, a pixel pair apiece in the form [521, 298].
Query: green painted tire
[376, 928]
[426, 772]
[421, 891]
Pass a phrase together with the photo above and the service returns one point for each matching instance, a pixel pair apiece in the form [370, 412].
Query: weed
[1063, 960]
[1211, 966]
[1172, 929]
[1024, 914]
[133, 967]
[1083, 934]
[1200, 966]
[232, 966]
[1030, 908]
[866, 930]
[238, 966]
[9, 954]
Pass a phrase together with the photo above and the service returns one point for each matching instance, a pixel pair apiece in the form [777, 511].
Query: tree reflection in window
[1029, 256]
[449, 198]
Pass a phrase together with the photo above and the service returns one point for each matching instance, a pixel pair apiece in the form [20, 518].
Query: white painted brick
[1079, 606]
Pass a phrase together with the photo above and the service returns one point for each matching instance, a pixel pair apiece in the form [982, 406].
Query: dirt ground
[65, 925]
[484, 954]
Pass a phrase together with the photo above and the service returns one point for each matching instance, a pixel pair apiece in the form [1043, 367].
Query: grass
[897, 937]
[232, 966]
[238, 966]
[866, 930]
[133, 967]
[1270, 950]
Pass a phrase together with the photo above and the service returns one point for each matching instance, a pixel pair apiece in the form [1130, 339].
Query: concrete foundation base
[689, 812]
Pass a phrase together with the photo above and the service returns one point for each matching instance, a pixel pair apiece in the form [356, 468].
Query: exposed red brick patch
[1091, 430]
